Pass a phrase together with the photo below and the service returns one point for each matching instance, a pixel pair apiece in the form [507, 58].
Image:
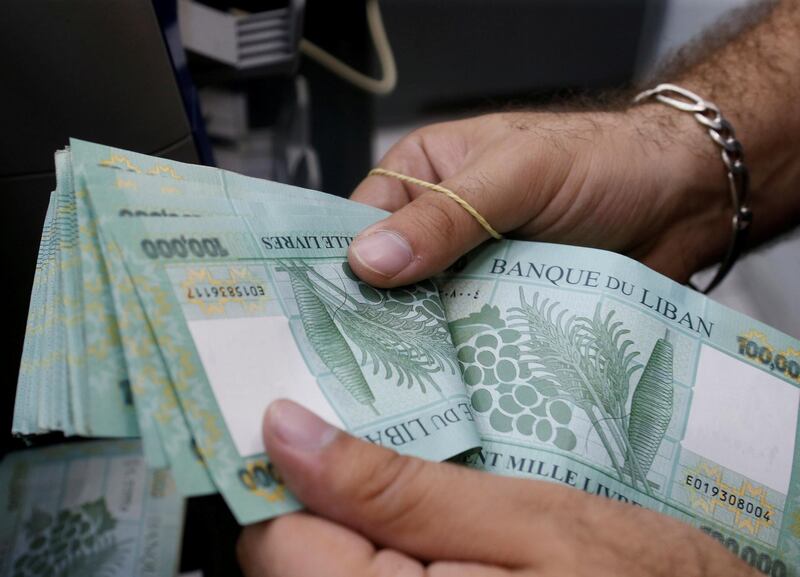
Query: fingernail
[384, 252]
[298, 427]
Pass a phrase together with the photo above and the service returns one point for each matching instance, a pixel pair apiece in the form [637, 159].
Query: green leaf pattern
[400, 333]
[329, 344]
[651, 405]
[77, 541]
[527, 373]
[590, 362]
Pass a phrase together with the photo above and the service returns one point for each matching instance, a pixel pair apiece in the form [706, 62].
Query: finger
[407, 156]
[427, 235]
[302, 545]
[427, 510]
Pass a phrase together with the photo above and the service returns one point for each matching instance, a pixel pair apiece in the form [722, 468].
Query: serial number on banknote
[226, 291]
[702, 486]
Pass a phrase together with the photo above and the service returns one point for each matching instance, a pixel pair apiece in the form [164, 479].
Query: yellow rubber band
[446, 191]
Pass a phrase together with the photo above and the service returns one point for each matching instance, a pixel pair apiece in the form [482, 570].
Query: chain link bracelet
[722, 133]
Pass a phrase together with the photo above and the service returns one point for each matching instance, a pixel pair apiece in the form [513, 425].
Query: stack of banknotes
[173, 302]
[91, 509]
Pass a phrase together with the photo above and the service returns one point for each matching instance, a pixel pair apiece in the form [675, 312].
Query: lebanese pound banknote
[176, 422]
[587, 369]
[78, 329]
[565, 364]
[247, 310]
[89, 509]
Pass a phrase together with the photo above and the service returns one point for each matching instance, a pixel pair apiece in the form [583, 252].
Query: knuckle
[436, 219]
[420, 135]
[391, 495]
[405, 153]
[417, 136]
[476, 185]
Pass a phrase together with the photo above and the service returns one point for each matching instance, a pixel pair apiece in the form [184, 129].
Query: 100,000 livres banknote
[563, 363]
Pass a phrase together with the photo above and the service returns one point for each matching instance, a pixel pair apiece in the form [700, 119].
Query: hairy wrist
[690, 187]
[754, 78]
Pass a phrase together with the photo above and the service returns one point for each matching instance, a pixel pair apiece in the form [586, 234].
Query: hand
[646, 182]
[373, 512]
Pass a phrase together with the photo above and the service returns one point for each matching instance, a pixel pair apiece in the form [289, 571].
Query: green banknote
[78, 328]
[166, 439]
[587, 369]
[171, 421]
[88, 509]
[566, 364]
[247, 310]
[26, 405]
[44, 384]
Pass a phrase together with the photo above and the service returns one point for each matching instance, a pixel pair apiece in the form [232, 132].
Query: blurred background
[291, 90]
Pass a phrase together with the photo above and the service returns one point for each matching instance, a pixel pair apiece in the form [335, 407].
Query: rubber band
[445, 191]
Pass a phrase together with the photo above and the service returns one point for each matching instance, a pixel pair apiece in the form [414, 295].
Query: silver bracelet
[721, 132]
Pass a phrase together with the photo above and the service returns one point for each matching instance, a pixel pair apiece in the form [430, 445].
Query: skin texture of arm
[646, 181]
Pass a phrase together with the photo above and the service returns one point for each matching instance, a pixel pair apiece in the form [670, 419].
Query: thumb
[427, 510]
[428, 234]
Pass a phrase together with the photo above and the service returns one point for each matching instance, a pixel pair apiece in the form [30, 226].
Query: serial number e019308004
[710, 488]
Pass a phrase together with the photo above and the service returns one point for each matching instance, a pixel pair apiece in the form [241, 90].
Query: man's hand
[374, 512]
[647, 182]
[643, 182]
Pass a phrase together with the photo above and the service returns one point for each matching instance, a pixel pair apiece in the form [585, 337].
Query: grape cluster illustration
[76, 541]
[503, 388]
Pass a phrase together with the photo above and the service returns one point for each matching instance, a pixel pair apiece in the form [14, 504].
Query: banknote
[587, 369]
[166, 439]
[119, 185]
[633, 398]
[42, 391]
[27, 400]
[79, 327]
[88, 509]
[247, 310]
[118, 188]
[565, 364]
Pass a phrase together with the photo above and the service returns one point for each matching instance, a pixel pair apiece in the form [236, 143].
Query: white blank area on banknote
[250, 362]
[743, 419]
